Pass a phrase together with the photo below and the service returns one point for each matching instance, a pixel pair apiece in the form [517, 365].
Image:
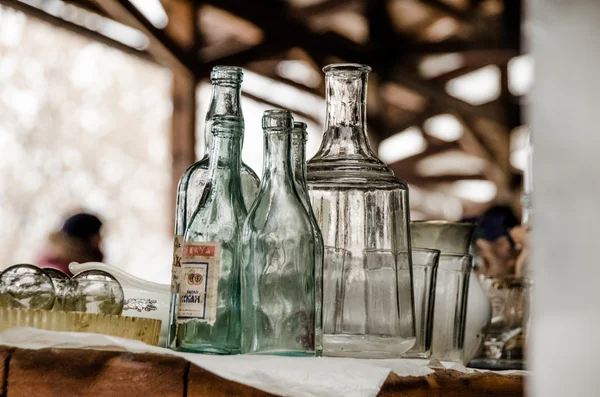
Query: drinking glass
[450, 312]
[388, 302]
[425, 264]
[505, 343]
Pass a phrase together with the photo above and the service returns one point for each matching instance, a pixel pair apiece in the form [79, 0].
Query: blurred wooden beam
[457, 45]
[274, 105]
[183, 121]
[265, 49]
[258, 67]
[436, 92]
[182, 16]
[322, 46]
[274, 18]
[161, 46]
[183, 127]
[466, 16]
[512, 20]
[72, 27]
[88, 6]
[324, 7]
[472, 143]
[446, 77]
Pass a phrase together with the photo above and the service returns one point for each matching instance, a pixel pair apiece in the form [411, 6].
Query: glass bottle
[279, 294]
[225, 100]
[208, 316]
[360, 207]
[299, 137]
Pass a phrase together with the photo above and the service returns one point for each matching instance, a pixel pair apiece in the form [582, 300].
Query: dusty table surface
[93, 373]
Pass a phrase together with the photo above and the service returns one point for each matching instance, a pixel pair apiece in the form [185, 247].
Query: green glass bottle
[208, 316]
[225, 100]
[299, 137]
[279, 293]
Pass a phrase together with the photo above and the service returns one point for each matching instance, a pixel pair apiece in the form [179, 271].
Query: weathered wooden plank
[5, 353]
[450, 383]
[91, 373]
[202, 383]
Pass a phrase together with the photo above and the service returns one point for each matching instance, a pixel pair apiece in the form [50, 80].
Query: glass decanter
[360, 207]
[279, 292]
[299, 137]
[226, 94]
[208, 315]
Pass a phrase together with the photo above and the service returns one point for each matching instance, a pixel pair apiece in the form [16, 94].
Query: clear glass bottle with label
[208, 315]
[360, 206]
[226, 94]
[299, 137]
[279, 292]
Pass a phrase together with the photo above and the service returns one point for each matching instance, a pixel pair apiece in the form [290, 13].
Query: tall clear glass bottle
[279, 293]
[225, 100]
[360, 207]
[208, 315]
[299, 137]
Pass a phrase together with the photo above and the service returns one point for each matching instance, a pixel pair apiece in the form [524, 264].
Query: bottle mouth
[346, 68]
[300, 128]
[277, 120]
[232, 74]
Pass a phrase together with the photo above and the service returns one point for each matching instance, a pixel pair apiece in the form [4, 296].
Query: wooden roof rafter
[88, 5]
[466, 16]
[161, 46]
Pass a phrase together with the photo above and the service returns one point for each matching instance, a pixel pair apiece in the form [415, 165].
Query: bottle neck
[225, 160]
[225, 100]
[345, 126]
[277, 163]
[299, 159]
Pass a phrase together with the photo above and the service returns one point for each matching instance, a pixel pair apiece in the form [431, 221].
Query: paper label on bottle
[199, 281]
[176, 267]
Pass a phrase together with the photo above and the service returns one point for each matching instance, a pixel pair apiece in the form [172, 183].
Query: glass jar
[359, 205]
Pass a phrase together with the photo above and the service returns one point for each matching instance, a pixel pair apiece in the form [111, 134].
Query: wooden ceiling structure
[392, 36]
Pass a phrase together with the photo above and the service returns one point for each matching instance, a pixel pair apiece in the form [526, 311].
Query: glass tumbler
[388, 301]
[425, 264]
[505, 343]
[450, 311]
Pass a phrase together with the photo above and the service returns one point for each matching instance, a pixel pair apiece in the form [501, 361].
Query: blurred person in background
[499, 241]
[79, 240]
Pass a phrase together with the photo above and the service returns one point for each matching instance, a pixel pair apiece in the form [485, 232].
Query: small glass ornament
[94, 291]
[26, 287]
[60, 280]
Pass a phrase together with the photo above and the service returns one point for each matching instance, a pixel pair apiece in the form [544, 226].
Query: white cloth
[285, 376]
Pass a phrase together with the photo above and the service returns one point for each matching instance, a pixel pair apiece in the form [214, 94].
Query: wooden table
[92, 373]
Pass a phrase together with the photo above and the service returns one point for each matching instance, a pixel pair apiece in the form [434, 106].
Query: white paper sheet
[285, 376]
